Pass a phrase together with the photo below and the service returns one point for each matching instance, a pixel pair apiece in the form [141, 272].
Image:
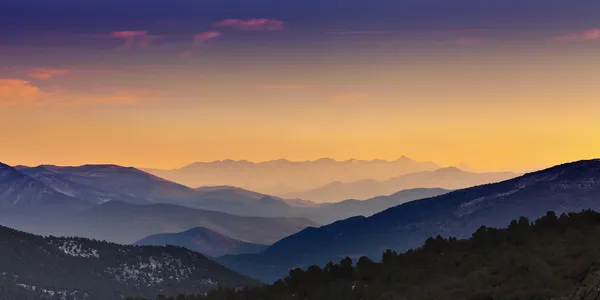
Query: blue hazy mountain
[569, 187]
[203, 240]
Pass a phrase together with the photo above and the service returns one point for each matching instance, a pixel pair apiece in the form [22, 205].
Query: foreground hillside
[564, 188]
[552, 258]
[34, 267]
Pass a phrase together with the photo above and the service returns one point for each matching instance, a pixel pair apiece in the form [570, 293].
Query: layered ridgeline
[36, 267]
[96, 184]
[283, 176]
[203, 240]
[448, 178]
[327, 213]
[124, 205]
[20, 193]
[127, 223]
[564, 188]
[551, 258]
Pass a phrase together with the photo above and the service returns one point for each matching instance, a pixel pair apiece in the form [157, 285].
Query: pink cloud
[252, 24]
[201, 38]
[17, 93]
[45, 73]
[134, 38]
[586, 35]
[284, 87]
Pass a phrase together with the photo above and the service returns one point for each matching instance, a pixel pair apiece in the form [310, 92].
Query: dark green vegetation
[551, 258]
[202, 240]
[564, 188]
[35, 267]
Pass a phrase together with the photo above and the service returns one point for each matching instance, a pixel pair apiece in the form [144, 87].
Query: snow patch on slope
[75, 249]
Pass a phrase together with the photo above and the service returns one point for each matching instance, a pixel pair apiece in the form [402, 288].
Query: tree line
[553, 257]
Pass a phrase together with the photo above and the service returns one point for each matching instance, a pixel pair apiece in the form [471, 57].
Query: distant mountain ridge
[126, 223]
[36, 267]
[20, 193]
[121, 204]
[331, 212]
[446, 178]
[564, 188]
[284, 176]
[203, 240]
[96, 184]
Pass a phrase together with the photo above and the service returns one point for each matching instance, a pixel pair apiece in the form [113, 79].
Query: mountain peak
[449, 170]
[404, 158]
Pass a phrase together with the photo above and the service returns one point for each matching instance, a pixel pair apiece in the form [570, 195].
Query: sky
[498, 85]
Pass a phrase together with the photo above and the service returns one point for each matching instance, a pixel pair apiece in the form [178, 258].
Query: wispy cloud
[18, 93]
[133, 39]
[46, 73]
[283, 87]
[586, 35]
[201, 38]
[252, 24]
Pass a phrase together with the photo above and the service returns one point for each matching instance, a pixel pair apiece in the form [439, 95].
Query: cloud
[284, 87]
[586, 35]
[201, 38]
[252, 24]
[134, 38]
[17, 93]
[349, 97]
[45, 73]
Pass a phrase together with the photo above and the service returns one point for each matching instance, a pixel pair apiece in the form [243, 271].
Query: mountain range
[203, 240]
[97, 184]
[120, 204]
[565, 188]
[20, 193]
[279, 177]
[330, 212]
[36, 267]
[447, 178]
[127, 223]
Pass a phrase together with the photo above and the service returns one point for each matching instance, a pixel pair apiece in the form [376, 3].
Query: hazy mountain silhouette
[331, 212]
[447, 178]
[20, 193]
[36, 267]
[283, 176]
[564, 188]
[203, 240]
[102, 183]
[126, 223]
